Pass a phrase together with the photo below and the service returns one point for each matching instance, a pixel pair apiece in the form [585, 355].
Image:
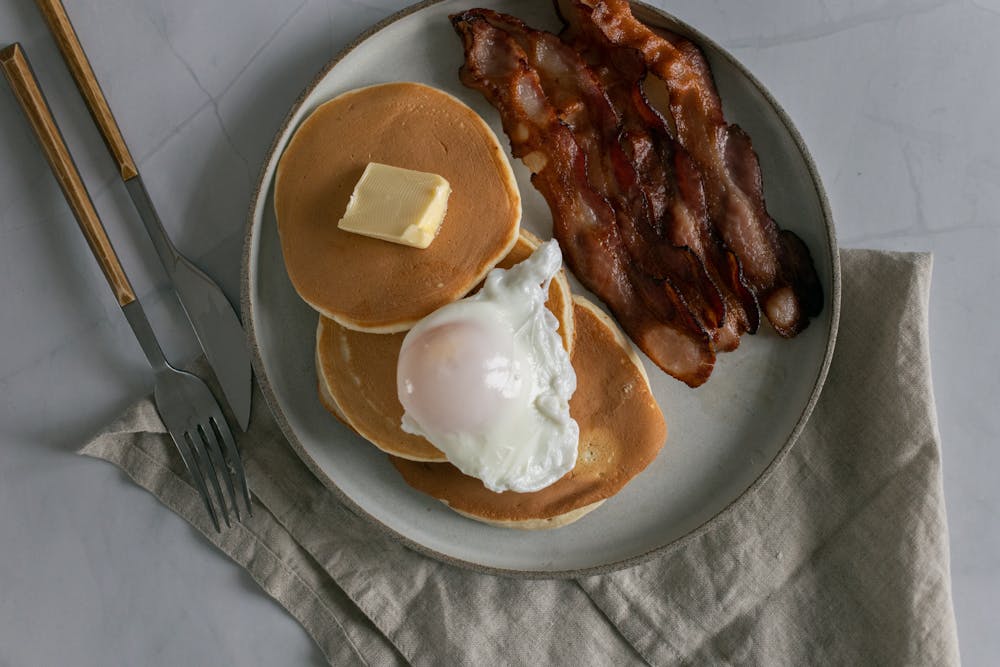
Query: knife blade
[212, 317]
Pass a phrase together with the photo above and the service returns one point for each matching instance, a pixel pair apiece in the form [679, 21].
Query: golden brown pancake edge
[557, 521]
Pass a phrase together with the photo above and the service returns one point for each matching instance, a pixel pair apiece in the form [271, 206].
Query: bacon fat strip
[775, 263]
[583, 222]
[580, 102]
[669, 178]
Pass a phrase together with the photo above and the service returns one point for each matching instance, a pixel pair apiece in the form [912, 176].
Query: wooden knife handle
[22, 81]
[69, 44]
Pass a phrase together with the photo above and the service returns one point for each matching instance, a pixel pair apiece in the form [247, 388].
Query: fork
[188, 409]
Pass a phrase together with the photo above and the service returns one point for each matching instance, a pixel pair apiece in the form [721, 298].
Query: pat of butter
[398, 205]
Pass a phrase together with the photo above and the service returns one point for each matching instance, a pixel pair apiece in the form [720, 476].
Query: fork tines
[209, 452]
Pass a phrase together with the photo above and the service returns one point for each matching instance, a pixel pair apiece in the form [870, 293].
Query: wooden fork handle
[22, 81]
[55, 15]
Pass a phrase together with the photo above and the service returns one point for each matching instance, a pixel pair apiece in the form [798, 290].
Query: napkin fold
[840, 557]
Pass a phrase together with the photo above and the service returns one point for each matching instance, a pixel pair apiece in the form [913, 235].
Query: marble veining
[895, 98]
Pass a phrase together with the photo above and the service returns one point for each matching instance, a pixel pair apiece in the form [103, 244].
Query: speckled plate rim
[259, 197]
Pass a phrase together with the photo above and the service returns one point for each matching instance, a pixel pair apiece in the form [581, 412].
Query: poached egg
[487, 380]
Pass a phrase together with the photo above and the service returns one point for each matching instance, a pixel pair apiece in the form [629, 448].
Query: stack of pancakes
[369, 292]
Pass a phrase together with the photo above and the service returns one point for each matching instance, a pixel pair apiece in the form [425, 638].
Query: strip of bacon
[775, 263]
[668, 176]
[583, 222]
[580, 102]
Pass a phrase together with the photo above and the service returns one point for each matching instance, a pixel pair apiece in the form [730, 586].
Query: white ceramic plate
[724, 436]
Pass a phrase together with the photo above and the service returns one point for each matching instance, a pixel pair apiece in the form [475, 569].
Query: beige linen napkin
[840, 557]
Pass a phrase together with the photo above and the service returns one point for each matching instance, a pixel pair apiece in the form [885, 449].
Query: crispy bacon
[579, 100]
[775, 263]
[669, 178]
[652, 312]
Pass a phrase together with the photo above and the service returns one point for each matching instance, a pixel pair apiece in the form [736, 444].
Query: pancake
[621, 432]
[357, 370]
[373, 285]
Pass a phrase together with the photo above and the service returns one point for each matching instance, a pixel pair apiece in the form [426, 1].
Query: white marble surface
[897, 99]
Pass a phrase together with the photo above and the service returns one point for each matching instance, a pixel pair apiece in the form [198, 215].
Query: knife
[211, 315]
